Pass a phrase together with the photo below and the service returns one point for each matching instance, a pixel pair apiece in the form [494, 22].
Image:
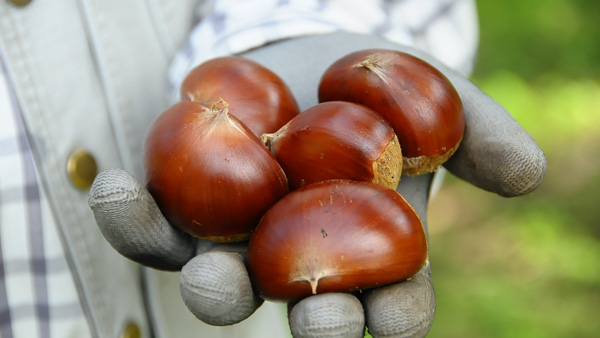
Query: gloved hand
[496, 154]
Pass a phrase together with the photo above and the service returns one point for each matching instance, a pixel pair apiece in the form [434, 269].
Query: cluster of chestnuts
[313, 192]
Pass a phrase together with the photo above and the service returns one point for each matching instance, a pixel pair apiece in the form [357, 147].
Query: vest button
[131, 331]
[82, 169]
[20, 3]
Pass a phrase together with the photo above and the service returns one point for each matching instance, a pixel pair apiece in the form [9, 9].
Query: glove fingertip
[216, 288]
[510, 168]
[527, 170]
[327, 315]
[401, 310]
[133, 225]
[496, 154]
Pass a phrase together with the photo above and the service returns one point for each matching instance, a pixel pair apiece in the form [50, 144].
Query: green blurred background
[529, 266]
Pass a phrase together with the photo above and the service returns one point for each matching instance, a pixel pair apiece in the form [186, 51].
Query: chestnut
[418, 101]
[256, 95]
[210, 175]
[335, 236]
[337, 140]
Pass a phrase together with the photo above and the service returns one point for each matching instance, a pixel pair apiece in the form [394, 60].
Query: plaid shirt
[38, 295]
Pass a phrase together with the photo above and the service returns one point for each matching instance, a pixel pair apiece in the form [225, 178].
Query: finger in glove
[216, 288]
[132, 223]
[401, 310]
[327, 315]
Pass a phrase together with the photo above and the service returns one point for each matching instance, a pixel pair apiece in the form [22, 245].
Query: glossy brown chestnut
[256, 95]
[335, 236]
[420, 103]
[210, 175]
[337, 140]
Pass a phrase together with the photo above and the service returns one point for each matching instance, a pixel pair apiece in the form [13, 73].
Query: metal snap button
[132, 330]
[20, 3]
[82, 169]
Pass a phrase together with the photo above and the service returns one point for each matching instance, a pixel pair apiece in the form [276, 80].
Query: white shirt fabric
[447, 29]
[93, 74]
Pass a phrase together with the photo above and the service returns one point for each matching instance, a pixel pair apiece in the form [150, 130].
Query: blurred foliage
[529, 266]
[540, 36]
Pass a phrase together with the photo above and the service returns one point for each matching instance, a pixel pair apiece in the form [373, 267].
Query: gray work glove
[496, 154]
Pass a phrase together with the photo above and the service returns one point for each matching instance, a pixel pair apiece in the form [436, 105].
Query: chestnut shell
[256, 95]
[335, 236]
[337, 140]
[209, 174]
[418, 101]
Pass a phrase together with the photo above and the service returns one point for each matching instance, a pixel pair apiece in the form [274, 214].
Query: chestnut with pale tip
[256, 95]
[337, 140]
[335, 236]
[209, 174]
[418, 101]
